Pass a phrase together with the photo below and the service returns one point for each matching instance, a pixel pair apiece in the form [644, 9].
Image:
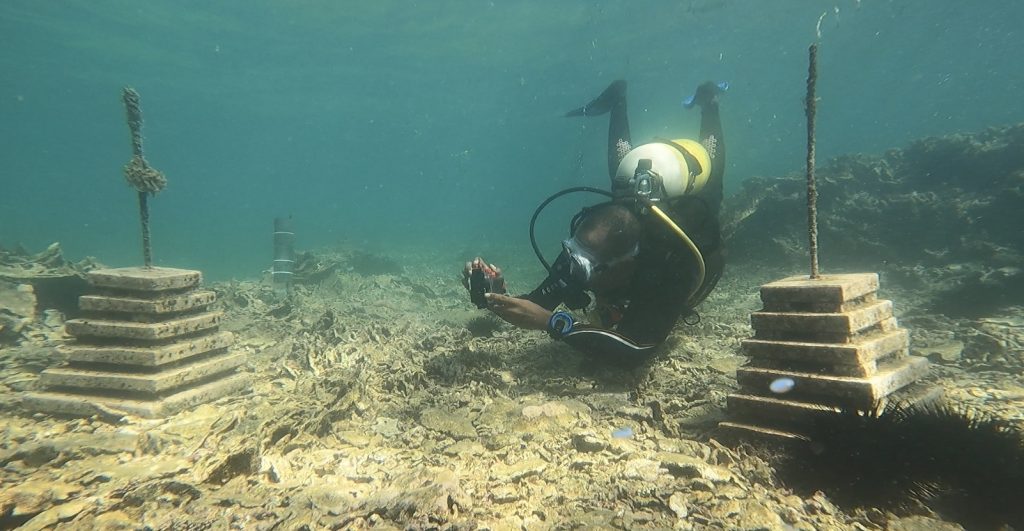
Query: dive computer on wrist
[560, 324]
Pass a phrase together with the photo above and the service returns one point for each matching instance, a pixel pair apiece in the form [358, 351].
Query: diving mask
[584, 264]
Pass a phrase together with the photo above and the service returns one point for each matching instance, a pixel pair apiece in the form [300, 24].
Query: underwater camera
[478, 287]
[484, 280]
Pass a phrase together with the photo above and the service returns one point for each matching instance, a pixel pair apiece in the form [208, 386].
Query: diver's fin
[706, 93]
[614, 95]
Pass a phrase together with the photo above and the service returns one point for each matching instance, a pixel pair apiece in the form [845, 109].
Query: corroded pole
[145, 179]
[812, 190]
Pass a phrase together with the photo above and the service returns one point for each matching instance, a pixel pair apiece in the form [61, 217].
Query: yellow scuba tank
[663, 171]
[682, 166]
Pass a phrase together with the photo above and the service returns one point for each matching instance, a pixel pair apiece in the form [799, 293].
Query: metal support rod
[137, 172]
[812, 189]
[284, 256]
[133, 115]
[147, 248]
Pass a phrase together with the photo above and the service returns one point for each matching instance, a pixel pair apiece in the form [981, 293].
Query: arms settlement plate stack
[826, 343]
[148, 346]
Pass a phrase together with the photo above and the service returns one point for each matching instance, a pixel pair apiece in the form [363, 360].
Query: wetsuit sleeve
[642, 329]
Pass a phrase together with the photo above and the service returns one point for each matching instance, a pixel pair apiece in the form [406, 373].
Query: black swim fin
[706, 94]
[612, 96]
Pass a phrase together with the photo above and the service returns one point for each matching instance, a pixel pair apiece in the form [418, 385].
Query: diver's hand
[518, 312]
[491, 272]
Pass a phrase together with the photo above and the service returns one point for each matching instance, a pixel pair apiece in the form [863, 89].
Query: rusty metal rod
[812, 189]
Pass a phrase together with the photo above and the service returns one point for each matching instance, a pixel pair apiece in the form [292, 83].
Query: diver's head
[602, 252]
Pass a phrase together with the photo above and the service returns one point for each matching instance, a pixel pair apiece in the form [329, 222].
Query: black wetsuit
[640, 317]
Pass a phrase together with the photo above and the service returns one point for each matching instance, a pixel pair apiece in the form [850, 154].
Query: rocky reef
[38, 290]
[943, 214]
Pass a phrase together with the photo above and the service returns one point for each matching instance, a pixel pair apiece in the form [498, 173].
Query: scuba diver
[635, 264]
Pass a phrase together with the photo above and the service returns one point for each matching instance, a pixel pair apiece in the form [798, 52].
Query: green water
[398, 125]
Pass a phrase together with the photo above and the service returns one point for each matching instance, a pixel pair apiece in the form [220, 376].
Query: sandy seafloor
[385, 400]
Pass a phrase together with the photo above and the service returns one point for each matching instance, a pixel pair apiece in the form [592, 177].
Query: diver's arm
[519, 312]
[642, 329]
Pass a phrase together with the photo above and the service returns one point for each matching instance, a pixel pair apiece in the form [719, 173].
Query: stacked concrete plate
[149, 346]
[821, 345]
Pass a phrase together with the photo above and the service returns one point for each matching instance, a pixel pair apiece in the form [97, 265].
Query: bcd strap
[691, 163]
